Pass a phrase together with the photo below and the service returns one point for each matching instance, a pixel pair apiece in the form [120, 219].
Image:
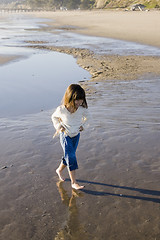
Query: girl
[68, 120]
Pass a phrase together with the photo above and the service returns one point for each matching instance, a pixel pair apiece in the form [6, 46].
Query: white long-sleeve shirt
[70, 121]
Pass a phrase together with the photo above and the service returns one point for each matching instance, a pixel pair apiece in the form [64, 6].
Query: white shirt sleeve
[56, 118]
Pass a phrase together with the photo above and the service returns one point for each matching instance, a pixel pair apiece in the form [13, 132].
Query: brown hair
[74, 92]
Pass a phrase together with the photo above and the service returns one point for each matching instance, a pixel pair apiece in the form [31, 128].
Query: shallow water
[37, 83]
[102, 45]
[15, 29]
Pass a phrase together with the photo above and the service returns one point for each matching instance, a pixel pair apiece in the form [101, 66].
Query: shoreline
[109, 67]
[140, 27]
[103, 67]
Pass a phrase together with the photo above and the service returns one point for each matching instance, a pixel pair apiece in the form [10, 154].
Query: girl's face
[78, 103]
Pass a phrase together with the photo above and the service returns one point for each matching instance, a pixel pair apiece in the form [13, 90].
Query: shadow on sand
[104, 193]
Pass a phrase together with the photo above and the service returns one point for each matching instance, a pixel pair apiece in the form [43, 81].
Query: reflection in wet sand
[72, 228]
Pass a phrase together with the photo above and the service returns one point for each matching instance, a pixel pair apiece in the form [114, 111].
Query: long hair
[74, 92]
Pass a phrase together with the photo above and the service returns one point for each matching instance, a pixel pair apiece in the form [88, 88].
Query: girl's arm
[57, 121]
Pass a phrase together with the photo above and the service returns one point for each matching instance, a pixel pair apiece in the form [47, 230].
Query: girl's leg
[59, 171]
[69, 149]
[69, 146]
[74, 184]
[75, 142]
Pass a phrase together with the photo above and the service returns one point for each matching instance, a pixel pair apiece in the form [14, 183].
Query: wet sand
[118, 159]
[7, 58]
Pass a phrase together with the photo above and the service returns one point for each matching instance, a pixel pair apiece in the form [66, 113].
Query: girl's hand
[62, 129]
[81, 129]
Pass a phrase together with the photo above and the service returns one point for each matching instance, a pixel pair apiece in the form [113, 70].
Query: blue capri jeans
[69, 145]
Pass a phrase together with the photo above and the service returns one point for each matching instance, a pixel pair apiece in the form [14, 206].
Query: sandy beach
[142, 27]
[118, 154]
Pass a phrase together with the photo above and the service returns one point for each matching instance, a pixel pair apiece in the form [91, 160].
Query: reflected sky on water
[37, 83]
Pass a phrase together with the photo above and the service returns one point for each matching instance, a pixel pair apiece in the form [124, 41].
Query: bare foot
[59, 175]
[76, 186]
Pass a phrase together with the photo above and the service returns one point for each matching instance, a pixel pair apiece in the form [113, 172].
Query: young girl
[68, 120]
